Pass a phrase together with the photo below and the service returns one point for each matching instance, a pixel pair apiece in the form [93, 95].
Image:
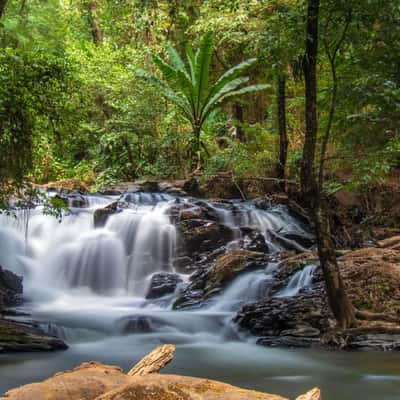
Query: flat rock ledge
[96, 381]
[15, 337]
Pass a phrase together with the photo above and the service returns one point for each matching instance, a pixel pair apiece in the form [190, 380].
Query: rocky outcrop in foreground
[96, 381]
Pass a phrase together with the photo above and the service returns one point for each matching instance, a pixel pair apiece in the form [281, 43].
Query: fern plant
[188, 86]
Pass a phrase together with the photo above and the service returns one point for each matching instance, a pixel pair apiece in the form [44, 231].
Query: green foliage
[189, 88]
[73, 107]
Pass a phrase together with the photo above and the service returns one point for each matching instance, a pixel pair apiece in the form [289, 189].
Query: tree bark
[307, 178]
[282, 129]
[154, 361]
[96, 31]
[338, 300]
[3, 5]
[311, 190]
[238, 113]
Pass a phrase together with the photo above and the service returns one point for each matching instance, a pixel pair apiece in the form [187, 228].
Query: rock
[372, 277]
[86, 382]
[101, 215]
[184, 264]
[230, 265]
[253, 240]
[163, 283]
[174, 387]
[67, 185]
[16, 338]
[199, 235]
[296, 321]
[10, 288]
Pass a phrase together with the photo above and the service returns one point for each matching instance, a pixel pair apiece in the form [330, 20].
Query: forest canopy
[73, 105]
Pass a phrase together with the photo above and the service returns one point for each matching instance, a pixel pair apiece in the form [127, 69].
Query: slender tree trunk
[3, 5]
[96, 31]
[196, 156]
[307, 180]
[238, 113]
[283, 138]
[313, 198]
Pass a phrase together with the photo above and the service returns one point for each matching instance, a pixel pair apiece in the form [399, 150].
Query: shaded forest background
[73, 106]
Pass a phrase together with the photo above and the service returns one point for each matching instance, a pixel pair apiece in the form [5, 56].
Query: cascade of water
[301, 279]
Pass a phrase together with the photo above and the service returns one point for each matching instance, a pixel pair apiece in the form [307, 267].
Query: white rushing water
[88, 286]
[86, 282]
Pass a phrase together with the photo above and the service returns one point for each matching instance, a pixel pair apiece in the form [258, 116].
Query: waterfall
[301, 279]
[86, 283]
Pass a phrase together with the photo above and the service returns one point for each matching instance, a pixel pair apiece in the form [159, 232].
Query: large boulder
[10, 288]
[96, 381]
[174, 387]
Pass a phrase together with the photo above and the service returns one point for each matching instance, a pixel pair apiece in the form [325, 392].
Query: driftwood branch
[314, 394]
[154, 361]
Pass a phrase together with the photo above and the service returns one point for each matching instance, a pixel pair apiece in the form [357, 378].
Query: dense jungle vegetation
[75, 102]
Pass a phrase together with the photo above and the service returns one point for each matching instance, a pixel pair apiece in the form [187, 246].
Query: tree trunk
[283, 139]
[312, 194]
[3, 4]
[93, 20]
[338, 300]
[238, 113]
[307, 178]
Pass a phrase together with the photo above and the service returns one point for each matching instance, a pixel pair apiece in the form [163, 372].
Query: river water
[88, 287]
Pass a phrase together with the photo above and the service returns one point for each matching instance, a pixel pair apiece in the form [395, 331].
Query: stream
[88, 286]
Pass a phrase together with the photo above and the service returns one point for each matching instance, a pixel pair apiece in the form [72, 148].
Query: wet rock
[373, 342]
[253, 240]
[184, 264]
[232, 264]
[209, 280]
[296, 321]
[140, 324]
[199, 235]
[101, 215]
[10, 288]
[15, 337]
[162, 284]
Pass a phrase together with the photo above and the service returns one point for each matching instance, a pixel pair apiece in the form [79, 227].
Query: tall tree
[282, 129]
[3, 5]
[311, 190]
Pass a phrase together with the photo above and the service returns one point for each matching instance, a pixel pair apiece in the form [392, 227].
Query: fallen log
[154, 362]
[314, 394]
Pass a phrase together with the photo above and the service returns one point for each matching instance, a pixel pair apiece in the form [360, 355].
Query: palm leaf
[235, 93]
[202, 67]
[232, 73]
[229, 87]
[191, 61]
[176, 60]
